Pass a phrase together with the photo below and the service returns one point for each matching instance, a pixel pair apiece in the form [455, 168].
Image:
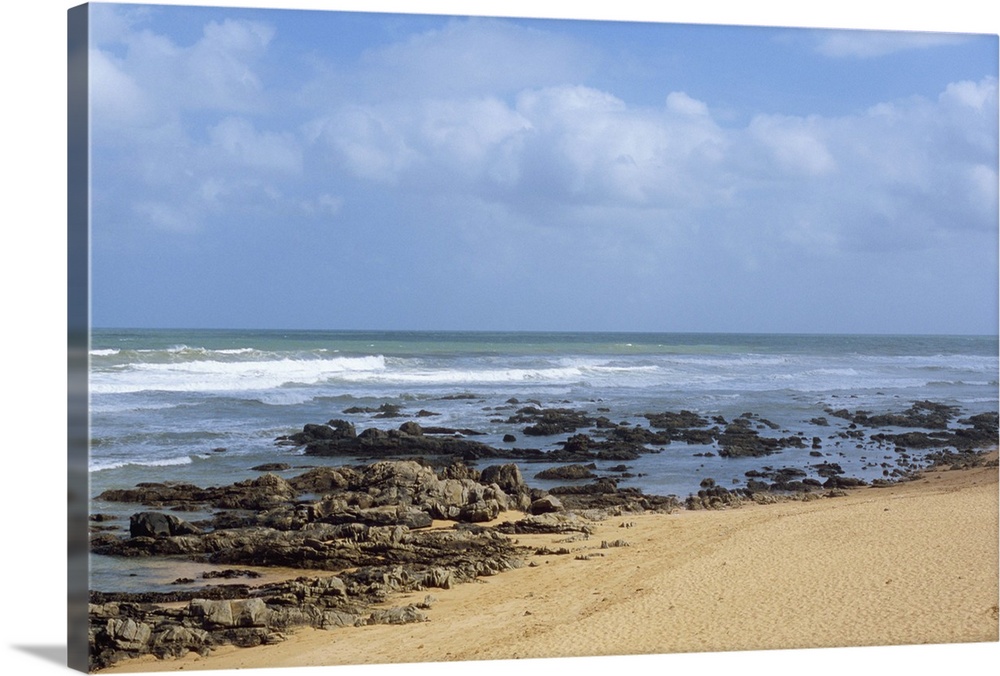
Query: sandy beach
[913, 563]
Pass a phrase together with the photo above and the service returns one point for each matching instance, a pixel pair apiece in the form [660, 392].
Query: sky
[34, 256]
[275, 168]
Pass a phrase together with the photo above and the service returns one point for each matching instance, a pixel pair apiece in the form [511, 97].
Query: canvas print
[419, 338]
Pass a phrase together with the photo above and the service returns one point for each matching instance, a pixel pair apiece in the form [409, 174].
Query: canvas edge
[78, 333]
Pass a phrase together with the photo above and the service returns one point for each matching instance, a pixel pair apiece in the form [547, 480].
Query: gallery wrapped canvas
[405, 338]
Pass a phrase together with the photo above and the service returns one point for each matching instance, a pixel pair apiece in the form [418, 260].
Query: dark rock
[545, 505]
[828, 469]
[713, 497]
[675, 421]
[156, 525]
[229, 574]
[551, 421]
[740, 440]
[411, 428]
[383, 560]
[507, 477]
[459, 470]
[633, 434]
[604, 493]
[842, 482]
[272, 467]
[453, 431]
[568, 472]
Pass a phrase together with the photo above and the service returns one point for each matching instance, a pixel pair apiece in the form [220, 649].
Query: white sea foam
[104, 353]
[467, 377]
[105, 465]
[230, 376]
[272, 377]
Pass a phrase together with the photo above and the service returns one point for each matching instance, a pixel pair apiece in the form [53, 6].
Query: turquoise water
[206, 406]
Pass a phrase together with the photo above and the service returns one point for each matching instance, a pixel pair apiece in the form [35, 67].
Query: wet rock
[229, 574]
[551, 421]
[669, 420]
[635, 435]
[740, 440]
[828, 469]
[714, 497]
[411, 428]
[155, 525]
[568, 473]
[841, 482]
[605, 494]
[272, 467]
[377, 443]
[923, 414]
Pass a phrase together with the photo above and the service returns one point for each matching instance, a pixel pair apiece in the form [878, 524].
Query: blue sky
[267, 168]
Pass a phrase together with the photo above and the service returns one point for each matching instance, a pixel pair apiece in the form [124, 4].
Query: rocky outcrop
[921, 414]
[740, 439]
[981, 431]
[551, 421]
[125, 629]
[154, 524]
[568, 473]
[265, 492]
[604, 494]
[337, 438]
[378, 526]
[372, 520]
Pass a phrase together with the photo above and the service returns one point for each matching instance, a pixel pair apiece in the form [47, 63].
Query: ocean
[205, 406]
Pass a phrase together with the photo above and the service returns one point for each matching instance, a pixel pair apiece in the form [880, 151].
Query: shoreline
[910, 563]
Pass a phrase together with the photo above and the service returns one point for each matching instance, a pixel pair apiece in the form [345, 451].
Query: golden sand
[914, 563]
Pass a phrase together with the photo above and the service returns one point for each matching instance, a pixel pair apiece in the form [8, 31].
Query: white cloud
[215, 72]
[896, 176]
[493, 113]
[115, 98]
[111, 23]
[681, 103]
[864, 44]
[219, 68]
[558, 144]
[797, 144]
[976, 95]
[466, 131]
[983, 183]
[237, 139]
[164, 216]
[472, 57]
[368, 141]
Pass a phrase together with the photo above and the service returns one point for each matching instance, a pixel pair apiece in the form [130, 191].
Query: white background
[33, 266]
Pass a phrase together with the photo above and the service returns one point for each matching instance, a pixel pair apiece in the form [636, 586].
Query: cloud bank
[488, 134]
